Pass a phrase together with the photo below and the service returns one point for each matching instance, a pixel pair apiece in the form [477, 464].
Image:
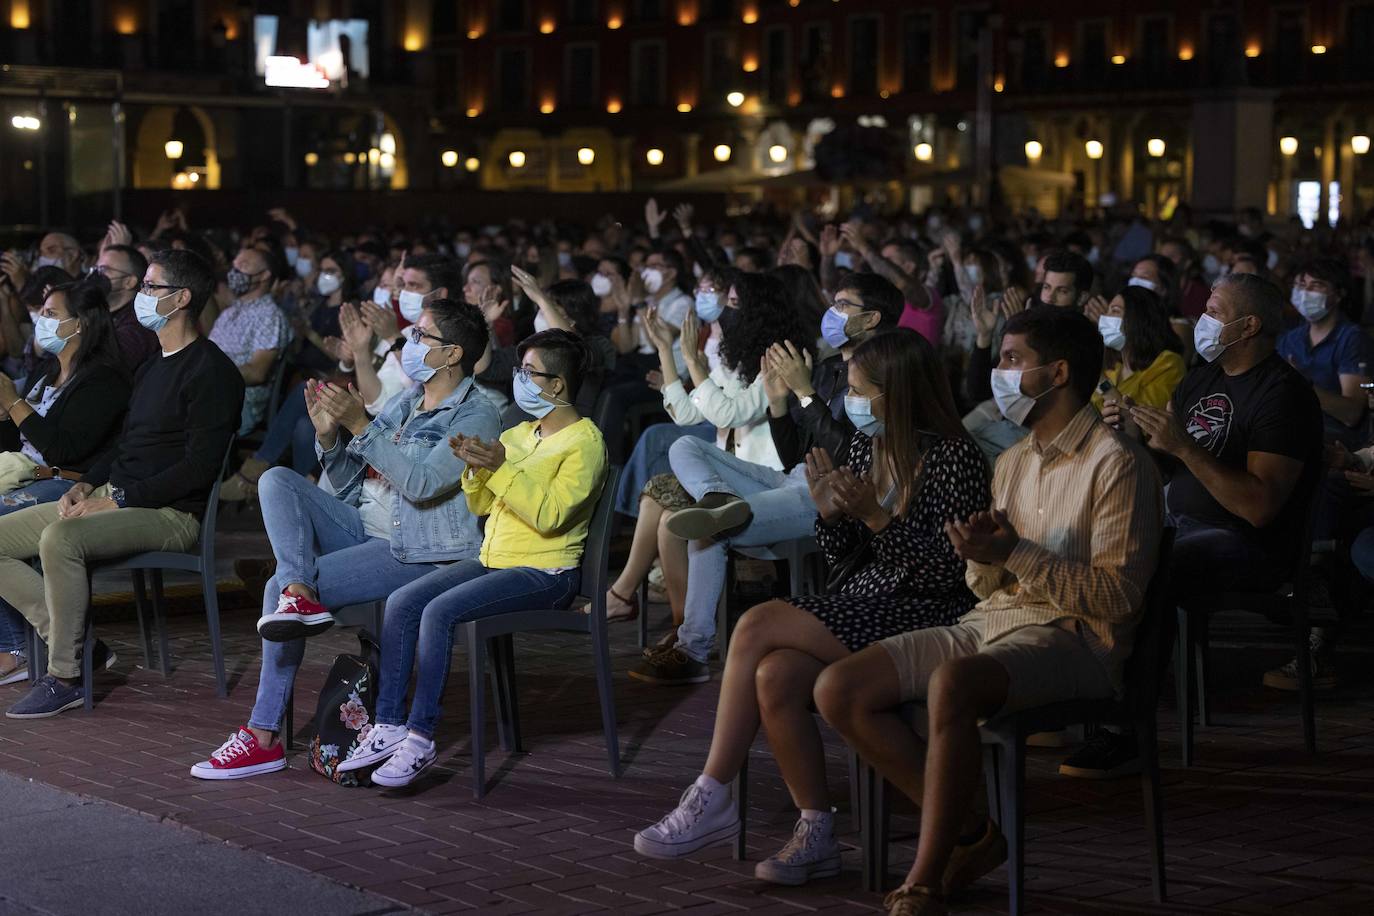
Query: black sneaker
[671, 668]
[47, 698]
[713, 514]
[1107, 755]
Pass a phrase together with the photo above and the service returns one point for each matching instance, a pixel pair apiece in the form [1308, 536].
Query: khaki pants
[56, 602]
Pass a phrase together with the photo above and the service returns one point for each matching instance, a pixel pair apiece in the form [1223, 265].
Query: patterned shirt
[244, 328]
[1089, 509]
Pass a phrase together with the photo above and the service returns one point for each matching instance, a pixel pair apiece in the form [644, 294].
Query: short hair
[1331, 271]
[878, 294]
[40, 280]
[761, 258]
[188, 270]
[1189, 252]
[1259, 297]
[442, 271]
[565, 355]
[498, 269]
[683, 277]
[622, 266]
[138, 264]
[582, 305]
[907, 247]
[1066, 262]
[1065, 334]
[461, 323]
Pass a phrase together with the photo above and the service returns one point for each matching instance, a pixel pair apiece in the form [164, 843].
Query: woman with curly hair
[748, 315]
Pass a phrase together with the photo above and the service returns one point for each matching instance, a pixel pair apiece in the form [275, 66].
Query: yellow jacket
[1151, 386]
[540, 501]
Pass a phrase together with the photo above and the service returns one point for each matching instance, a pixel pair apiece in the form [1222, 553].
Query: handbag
[844, 570]
[346, 710]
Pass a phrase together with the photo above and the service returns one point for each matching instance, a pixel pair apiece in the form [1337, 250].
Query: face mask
[145, 309]
[413, 361]
[1272, 259]
[292, 255]
[45, 334]
[565, 259]
[844, 259]
[975, 273]
[1207, 337]
[412, 304]
[709, 306]
[1014, 404]
[304, 266]
[463, 249]
[832, 327]
[1309, 303]
[1143, 283]
[1210, 265]
[653, 279]
[238, 281]
[530, 397]
[382, 296]
[975, 224]
[1094, 255]
[860, 413]
[697, 271]
[1109, 326]
[601, 285]
[729, 253]
[328, 284]
[362, 271]
[1031, 262]
[541, 324]
[45, 261]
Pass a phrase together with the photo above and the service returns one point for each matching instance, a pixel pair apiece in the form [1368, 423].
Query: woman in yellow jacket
[538, 487]
[1151, 365]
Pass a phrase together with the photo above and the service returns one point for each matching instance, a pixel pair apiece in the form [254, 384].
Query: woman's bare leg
[643, 550]
[672, 556]
[784, 681]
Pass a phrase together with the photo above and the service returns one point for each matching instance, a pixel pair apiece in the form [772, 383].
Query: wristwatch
[805, 401]
[117, 494]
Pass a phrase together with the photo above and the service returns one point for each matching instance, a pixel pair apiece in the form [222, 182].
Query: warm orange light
[126, 24]
[474, 33]
[231, 29]
[751, 63]
[614, 22]
[546, 27]
[474, 112]
[794, 98]
[794, 3]
[613, 106]
[414, 40]
[1252, 50]
[1185, 52]
[19, 14]
[837, 92]
[884, 94]
[684, 107]
[998, 85]
[1118, 59]
[1061, 60]
[749, 16]
[1319, 49]
[546, 107]
[686, 14]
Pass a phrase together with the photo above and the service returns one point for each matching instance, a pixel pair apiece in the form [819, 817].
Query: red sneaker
[295, 618]
[240, 757]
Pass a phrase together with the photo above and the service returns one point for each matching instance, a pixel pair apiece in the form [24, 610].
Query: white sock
[712, 789]
[420, 741]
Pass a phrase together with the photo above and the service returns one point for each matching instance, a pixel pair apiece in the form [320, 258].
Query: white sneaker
[409, 760]
[704, 816]
[811, 853]
[377, 745]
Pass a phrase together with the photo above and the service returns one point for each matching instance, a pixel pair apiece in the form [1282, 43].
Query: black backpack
[344, 716]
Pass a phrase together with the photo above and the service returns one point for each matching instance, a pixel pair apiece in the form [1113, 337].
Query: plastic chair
[494, 636]
[373, 613]
[1004, 748]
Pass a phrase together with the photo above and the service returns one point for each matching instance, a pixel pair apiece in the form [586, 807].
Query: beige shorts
[1045, 664]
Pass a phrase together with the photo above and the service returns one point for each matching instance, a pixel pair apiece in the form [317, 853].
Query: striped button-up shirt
[1089, 508]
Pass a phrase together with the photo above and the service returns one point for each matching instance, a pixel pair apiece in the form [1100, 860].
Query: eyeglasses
[524, 373]
[846, 303]
[148, 287]
[105, 270]
[419, 336]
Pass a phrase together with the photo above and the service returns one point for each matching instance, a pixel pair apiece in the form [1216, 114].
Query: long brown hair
[917, 402]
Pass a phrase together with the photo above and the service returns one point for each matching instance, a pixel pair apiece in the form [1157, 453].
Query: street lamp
[654, 156]
[1093, 148]
[735, 99]
[472, 163]
[721, 152]
[1034, 150]
[449, 158]
[516, 159]
[777, 153]
[586, 155]
[1359, 144]
[924, 152]
[1155, 147]
[1288, 145]
[173, 149]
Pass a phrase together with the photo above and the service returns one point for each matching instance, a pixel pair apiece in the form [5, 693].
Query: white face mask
[328, 283]
[1142, 282]
[974, 273]
[653, 279]
[541, 323]
[1014, 404]
[565, 259]
[1272, 259]
[1310, 303]
[1207, 337]
[1109, 326]
[601, 285]
[382, 296]
[413, 304]
[462, 249]
[1210, 265]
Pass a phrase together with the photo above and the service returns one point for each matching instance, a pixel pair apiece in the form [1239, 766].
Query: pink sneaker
[240, 757]
[295, 618]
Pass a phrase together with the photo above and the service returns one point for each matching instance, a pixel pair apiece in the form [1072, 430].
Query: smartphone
[1110, 392]
[1367, 386]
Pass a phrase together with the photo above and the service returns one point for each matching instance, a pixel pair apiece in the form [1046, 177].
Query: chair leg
[145, 636]
[378, 620]
[1201, 652]
[992, 778]
[477, 682]
[605, 689]
[88, 664]
[496, 653]
[873, 836]
[1147, 733]
[1302, 637]
[740, 789]
[1013, 778]
[211, 592]
[1183, 674]
[856, 813]
[796, 575]
[164, 655]
[643, 594]
[507, 644]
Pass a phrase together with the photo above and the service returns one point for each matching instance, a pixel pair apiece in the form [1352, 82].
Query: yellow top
[540, 501]
[1151, 386]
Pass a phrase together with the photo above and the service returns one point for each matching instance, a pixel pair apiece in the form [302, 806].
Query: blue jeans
[783, 511]
[318, 541]
[13, 630]
[419, 624]
[650, 458]
[291, 429]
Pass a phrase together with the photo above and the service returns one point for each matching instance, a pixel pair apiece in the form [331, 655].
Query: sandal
[632, 614]
[242, 487]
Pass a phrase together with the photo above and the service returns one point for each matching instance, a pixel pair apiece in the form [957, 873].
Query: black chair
[1289, 602]
[275, 383]
[494, 636]
[369, 616]
[1004, 748]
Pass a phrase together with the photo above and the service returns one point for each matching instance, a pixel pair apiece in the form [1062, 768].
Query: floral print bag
[344, 716]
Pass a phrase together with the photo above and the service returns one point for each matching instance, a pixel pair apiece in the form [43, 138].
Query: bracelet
[14, 405]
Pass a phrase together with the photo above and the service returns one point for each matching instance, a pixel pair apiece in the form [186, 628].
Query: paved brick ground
[1254, 826]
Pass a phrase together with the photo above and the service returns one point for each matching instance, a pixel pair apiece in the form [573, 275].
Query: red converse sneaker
[295, 617]
[240, 757]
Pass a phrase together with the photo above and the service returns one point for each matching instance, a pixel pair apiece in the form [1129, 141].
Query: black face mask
[728, 318]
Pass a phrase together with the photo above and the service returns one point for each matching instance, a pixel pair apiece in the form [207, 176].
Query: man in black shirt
[1242, 442]
[146, 493]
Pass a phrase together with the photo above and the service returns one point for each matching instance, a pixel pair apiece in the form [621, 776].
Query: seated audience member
[32, 291]
[803, 290]
[538, 487]
[146, 492]
[1241, 445]
[123, 269]
[900, 263]
[390, 510]
[1136, 327]
[318, 329]
[1157, 274]
[1060, 567]
[487, 285]
[69, 416]
[883, 504]
[1329, 350]
[1194, 287]
[252, 331]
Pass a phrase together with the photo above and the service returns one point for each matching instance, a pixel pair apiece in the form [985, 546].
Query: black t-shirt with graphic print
[1270, 408]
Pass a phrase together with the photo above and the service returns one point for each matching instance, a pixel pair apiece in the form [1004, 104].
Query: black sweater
[83, 421]
[814, 426]
[182, 417]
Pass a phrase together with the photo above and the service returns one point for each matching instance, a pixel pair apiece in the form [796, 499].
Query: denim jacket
[431, 522]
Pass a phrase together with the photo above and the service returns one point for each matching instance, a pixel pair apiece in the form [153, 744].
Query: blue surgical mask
[145, 309]
[45, 261]
[291, 255]
[382, 296]
[303, 267]
[1109, 326]
[844, 260]
[709, 305]
[45, 334]
[530, 397]
[328, 284]
[832, 327]
[413, 361]
[412, 304]
[860, 412]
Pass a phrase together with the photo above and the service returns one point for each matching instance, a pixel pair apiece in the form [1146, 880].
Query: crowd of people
[984, 420]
